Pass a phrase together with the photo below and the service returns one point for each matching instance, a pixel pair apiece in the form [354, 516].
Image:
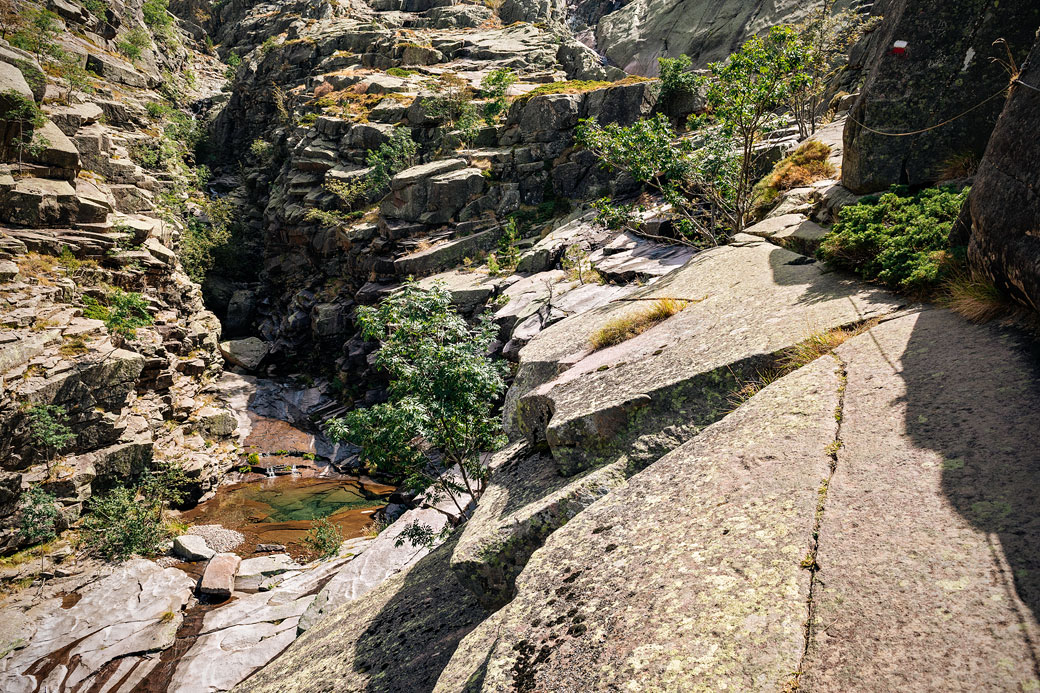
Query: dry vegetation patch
[626, 327]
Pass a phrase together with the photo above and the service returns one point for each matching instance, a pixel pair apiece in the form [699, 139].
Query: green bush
[898, 239]
[677, 81]
[324, 538]
[493, 87]
[133, 42]
[119, 525]
[98, 8]
[123, 312]
[39, 514]
[156, 14]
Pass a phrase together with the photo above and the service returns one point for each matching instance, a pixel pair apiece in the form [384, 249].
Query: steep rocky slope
[78, 224]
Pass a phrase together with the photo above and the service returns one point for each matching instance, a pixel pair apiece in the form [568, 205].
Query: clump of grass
[812, 347]
[975, 298]
[576, 86]
[624, 328]
[73, 346]
[806, 165]
[959, 166]
[819, 343]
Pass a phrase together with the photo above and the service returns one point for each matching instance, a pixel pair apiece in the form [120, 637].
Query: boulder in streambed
[192, 548]
[219, 578]
[252, 571]
[247, 353]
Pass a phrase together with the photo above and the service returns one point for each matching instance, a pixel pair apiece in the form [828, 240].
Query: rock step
[659, 387]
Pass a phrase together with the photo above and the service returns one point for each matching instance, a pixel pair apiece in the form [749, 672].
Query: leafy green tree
[24, 113]
[156, 14]
[699, 182]
[494, 87]
[453, 107]
[120, 525]
[233, 61]
[77, 77]
[743, 94]
[48, 429]
[438, 423]
[131, 520]
[38, 33]
[394, 155]
[677, 81]
[323, 538]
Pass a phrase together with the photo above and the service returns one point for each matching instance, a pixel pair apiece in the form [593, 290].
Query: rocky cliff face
[1003, 207]
[78, 222]
[951, 70]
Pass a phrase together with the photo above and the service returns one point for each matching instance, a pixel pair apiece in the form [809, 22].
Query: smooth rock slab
[930, 540]
[396, 637]
[219, 578]
[648, 394]
[687, 577]
[134, 610]
[252, 571]
[192, 548]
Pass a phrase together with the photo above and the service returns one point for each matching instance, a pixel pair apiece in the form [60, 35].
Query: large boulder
[634, 36]
[946, 70]
[1004, 203]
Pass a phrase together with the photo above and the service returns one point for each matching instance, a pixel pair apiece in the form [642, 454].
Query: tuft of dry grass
[958, 166]
[816, 344]
[624, 328]
[819, 344]
[975, 298]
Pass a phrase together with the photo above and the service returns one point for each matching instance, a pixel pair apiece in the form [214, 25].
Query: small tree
[10, 17]
[324, 538]
[494, 87]
[698, 182]
[39, 514]
[38, 33]
[825, 37]
[677, 81]
[26, 115]
[453, 107]
[127, 521]
[49, 430]
[392, 156]
[156, 14]
[76, 77]
[743, 94]
[438, 423]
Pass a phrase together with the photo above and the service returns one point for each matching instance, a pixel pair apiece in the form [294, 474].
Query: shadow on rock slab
[395, 639]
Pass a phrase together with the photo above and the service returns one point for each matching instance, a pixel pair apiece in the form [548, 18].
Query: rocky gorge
[801, 476]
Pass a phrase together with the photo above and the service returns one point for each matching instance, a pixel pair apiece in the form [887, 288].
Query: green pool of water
[293, 502]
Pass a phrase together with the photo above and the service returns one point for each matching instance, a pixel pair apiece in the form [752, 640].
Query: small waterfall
[270, 472]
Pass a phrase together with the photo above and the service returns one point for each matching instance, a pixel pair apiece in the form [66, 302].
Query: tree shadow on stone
[822, 283]
[972, 395]
[407, 645]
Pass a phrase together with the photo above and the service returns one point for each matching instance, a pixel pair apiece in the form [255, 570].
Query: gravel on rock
[218, 538]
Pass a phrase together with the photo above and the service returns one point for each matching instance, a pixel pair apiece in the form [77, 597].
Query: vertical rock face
[945, 70]
[1005, 204]
[636, 35]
